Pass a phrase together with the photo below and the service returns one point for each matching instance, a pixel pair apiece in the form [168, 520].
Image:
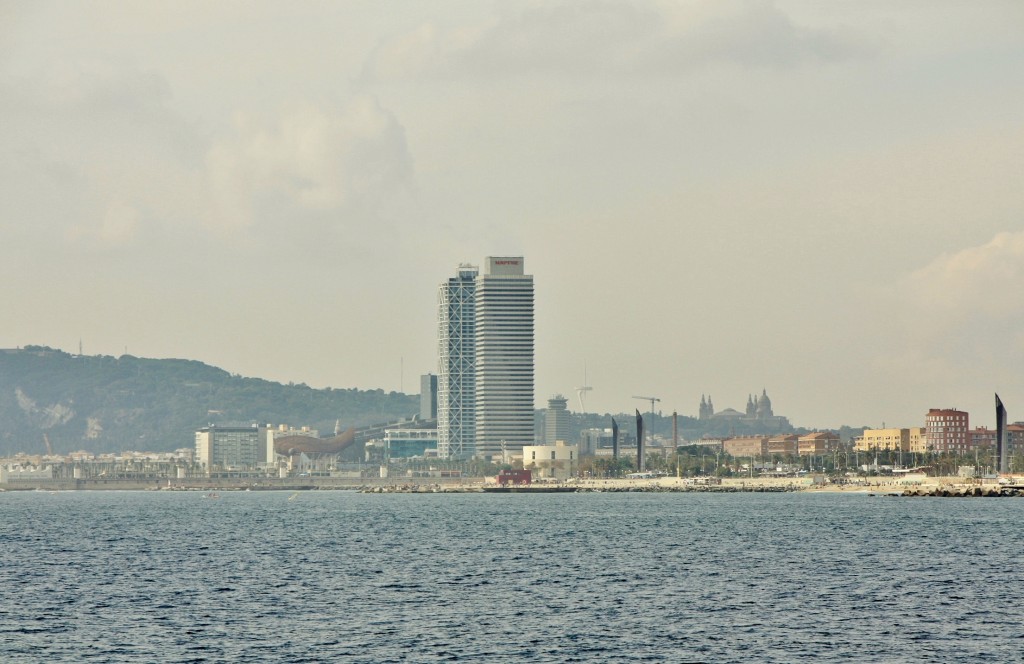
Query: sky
[715, 197]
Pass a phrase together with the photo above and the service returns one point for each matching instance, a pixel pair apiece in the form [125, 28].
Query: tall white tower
[504, 356]
[456, 387]
[556, 420]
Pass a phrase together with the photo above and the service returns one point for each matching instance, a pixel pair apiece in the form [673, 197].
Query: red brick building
[948, 430]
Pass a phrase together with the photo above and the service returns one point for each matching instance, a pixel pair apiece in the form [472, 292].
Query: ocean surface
[347, 577]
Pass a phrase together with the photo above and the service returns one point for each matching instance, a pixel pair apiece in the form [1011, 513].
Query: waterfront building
[981, 438]
[456, 380]
[1015, 436]
[783, 444]
[556, 420]
[818, 443]
[409, 442]
[14, 473]
[504, 332]
[918, 440]
[558, 461]
[947, 430]
[591, 439]
[220, 447]
[747, 446]
[877, 440]
[713, 444]
[428, 397]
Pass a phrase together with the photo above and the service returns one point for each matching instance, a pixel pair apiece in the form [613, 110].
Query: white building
[558, 461]
[504, 357]
[556, 420]
[230, 447]
[456, 386]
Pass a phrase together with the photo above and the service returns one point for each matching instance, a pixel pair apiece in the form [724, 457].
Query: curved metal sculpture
[311, 446]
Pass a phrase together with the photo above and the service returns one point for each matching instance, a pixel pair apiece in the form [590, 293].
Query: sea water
[637, 577]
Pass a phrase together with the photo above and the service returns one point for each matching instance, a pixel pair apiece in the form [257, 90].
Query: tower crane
[652, 400]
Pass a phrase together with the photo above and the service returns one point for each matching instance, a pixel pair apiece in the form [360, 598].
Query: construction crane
[652, 400]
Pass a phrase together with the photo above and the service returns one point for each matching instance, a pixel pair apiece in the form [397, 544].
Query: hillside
[106, 404]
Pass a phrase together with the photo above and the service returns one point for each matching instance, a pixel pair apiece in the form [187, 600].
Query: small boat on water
[212, 494]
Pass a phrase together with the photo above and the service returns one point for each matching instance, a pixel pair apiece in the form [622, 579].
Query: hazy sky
[824, 199]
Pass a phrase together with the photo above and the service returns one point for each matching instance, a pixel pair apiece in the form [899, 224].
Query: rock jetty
[964, 492]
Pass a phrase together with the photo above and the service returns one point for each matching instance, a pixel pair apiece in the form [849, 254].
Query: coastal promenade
[921, 486]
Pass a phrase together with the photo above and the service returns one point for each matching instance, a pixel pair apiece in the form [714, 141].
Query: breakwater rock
[569, 488]
[965, 492]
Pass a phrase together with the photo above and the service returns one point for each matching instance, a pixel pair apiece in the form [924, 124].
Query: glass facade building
[456, 387]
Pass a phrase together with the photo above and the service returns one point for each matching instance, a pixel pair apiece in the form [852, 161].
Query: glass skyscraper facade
[456, 386]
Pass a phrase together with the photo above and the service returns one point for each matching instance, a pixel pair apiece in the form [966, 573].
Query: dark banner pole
[1002, 453]
[639, 442]
[614, 440]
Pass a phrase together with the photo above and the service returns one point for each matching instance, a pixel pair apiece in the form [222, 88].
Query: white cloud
[604, 37]
[310, 160]
[955, 326]
[974, 282]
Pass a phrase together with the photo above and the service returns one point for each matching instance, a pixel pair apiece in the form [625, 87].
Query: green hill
[108, 404]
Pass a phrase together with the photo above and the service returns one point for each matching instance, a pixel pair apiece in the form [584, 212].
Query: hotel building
[504, 357]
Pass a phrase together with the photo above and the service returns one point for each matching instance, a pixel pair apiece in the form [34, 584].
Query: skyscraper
[456, 387]
[504, 356]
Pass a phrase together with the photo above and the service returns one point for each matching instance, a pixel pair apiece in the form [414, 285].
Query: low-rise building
[918, 440]
[784, 444]
[747, 446]
[409, 442]
[559, 461]
[877, 440]
[818, 443]
[981, 438]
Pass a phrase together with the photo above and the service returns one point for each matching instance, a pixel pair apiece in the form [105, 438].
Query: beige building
[783, 444]
[749, 446]
[558, 461]
[918, 440]
[884, 439]
[818, 443]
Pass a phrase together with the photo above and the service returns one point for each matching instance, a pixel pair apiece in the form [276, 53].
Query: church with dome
[758, 415]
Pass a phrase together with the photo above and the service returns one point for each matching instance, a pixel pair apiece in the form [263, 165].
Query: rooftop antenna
[582, 391]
